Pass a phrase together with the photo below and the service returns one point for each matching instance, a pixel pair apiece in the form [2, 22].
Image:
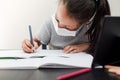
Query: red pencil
[72, 74]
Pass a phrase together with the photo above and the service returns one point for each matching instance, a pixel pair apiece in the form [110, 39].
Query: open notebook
[17, 59]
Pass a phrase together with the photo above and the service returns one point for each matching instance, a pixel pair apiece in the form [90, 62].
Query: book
[17, 59]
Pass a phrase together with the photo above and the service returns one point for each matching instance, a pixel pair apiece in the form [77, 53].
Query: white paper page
[73, 60]
[20, 53]
[50, 57]
[13, 53]
[21, 63]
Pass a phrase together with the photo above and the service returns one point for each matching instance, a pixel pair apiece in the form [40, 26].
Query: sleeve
[44, 33]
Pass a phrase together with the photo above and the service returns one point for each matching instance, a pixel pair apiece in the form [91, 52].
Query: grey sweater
[47, 35]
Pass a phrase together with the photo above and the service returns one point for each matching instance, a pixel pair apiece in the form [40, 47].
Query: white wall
[115, 7]
[16, 15]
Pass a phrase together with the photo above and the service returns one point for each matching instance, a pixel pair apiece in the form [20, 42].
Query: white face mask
[62, 31]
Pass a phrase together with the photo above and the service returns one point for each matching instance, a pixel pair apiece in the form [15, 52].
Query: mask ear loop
[92, 18]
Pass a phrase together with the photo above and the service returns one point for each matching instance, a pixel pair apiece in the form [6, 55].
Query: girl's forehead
[63, 15]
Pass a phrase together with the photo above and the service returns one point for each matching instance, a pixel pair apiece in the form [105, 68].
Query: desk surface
[51, 74]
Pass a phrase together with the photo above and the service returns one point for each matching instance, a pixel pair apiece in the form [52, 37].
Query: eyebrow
[63, 24]
[66, 25]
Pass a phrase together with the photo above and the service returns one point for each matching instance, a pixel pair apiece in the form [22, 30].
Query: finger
[118, 72]
[35, 39]
[70, 50]
[35, 45]
[109, 66]
[66, 48]
[27, 42]
[74, 51]
[114, 71]
[26, 48]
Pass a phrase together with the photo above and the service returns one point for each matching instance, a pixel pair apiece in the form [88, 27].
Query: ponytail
[102, 9]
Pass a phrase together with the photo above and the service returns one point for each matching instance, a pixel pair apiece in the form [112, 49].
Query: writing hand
[28, 47]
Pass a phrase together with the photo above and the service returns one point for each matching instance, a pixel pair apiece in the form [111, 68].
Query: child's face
[64, 20]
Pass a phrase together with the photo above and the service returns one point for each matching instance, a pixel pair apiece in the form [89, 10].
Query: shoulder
[48, 24]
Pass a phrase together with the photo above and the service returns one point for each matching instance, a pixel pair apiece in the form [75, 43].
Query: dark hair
[84, 10]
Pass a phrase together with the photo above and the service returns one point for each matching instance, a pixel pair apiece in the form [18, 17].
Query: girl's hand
[28, 47]
[76, 48]
[113, 69]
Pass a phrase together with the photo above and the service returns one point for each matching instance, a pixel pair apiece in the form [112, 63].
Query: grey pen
[31, 38]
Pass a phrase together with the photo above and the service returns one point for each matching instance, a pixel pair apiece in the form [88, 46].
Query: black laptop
[108, 44]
